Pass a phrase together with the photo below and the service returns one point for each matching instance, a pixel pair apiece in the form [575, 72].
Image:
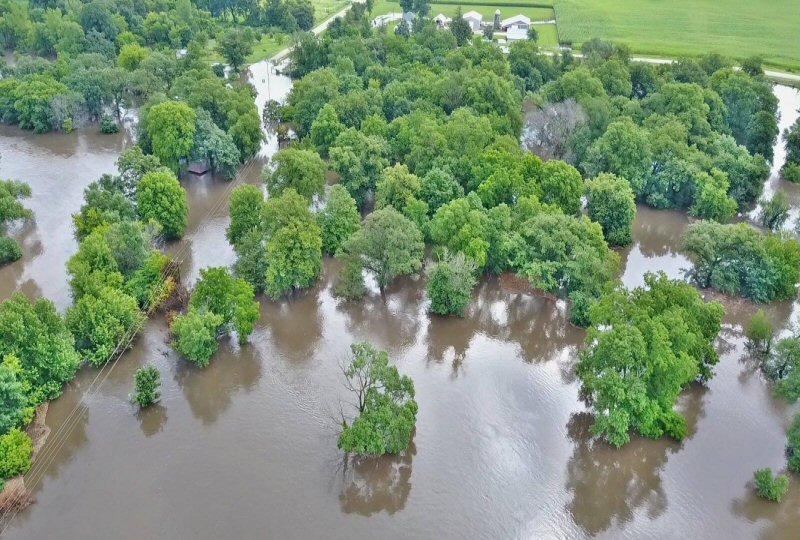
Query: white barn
[442, 20]
[474, 19]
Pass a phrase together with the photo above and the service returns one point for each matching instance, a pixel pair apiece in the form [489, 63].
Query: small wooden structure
[198, 168]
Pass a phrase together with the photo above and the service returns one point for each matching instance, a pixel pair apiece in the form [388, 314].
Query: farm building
[474, 19]
[516, 27]
[442, 20]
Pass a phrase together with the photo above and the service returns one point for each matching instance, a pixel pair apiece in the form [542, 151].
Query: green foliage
[11, 209]
[439, 187]
[781, 366]
[104, 323]
[235, 45]
[772, 488]
[16, 449]
[774, 212]
[230, 298]
[37, 335]
[611, 203]
[737, 259]
[791, 139]
[358, 159]
[148, 380]
[623, 150]
[351, 280]
[301, 170]
[338, 220]
[171, 129]
[13, 398]
[131, 56]
[325, 129]
[643, 348]
[388, 245]
[711, 198]
[152, 283]
[33, 103]
[387, 411]
[760, 333]
[295, 258]
[161, 199]
[793, 445]
[399, 188]
[108, 125]
[212, 144]
[195, 335]
[246, 211]
[450, 283]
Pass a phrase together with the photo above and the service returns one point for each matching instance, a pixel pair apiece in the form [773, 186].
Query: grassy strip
[736, 28]
[498, 3]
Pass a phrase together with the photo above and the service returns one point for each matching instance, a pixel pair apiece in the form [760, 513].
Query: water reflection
[152, 419]
[376, 484]
[610, 485]
[209, 390]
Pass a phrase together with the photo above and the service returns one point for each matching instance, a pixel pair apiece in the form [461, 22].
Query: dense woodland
[423, 137]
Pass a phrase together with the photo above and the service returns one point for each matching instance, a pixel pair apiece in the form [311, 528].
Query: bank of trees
[791, 167]
[737, 259]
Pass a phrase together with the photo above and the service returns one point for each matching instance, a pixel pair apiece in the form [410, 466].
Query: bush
[351, 280]
[108, 125]
[15, 453]
[196, 335]
[148, 379]
[769, 487]
[793, 445]
[760, 332]
[450, 283]
[9, 250]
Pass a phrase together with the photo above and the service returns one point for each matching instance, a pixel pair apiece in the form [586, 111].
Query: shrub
[760, 332]
[15, 453]
[450, 283]
[9, 250]
[196, 335]
[148, 379]
[108, 125]
[769, 487]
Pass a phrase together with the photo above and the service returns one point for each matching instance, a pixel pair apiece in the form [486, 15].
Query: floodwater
[247, 447]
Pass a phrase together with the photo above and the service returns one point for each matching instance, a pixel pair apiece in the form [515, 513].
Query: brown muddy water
[247, 447]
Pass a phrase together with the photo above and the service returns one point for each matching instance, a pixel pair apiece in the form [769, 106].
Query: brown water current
[246, 448]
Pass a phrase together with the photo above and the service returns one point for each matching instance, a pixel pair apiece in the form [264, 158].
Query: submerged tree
[387, 411]
[760, 332]
[643, 348]
[148, 380]
[772, 488]
[10, 210]
[450, 283]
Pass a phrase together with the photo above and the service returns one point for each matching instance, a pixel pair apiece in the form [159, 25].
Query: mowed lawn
[736, 28]
[382, 7]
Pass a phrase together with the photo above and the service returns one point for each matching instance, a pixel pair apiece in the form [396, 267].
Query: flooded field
[246, 448]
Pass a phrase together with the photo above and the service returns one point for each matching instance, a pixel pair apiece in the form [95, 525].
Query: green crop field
[737, 28]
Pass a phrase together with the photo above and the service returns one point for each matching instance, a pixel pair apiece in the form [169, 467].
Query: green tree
[161, 199]
[398, 188]
[301, 170]
[36, 334]
[611, 203]
[131, 55]
[643, 348]
[791, 139]
[760, 332]
[460, 28]
[774, 212]
[246, 211]
[359, 159]
[231, 298]
[450, 283]
[104, 324]
[387, 411]
[338, 220]
[11, 209]
[351, 279]
[148, 380]
[711, 197]
[235, 45]
[295, 257]
[793, 445]
[623, 150]
[781, 366]
[439, 187]
[195, 335]
[388, 245]
[212, 144]
[33, 103]
[462, 225]
[16, 449]
[171, 127]
[13, 401]
[325, 129]
[772, 488]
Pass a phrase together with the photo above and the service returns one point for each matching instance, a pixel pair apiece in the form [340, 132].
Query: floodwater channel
[246, 448]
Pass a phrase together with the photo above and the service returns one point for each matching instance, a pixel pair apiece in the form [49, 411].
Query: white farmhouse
[474, 19]
[516, 27]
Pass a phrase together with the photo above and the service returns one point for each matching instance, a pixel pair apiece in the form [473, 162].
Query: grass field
[669, 28]
[382, 7]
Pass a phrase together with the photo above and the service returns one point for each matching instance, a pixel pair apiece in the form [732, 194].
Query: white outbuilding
[441, 20]
[474, 19]
[516, 27]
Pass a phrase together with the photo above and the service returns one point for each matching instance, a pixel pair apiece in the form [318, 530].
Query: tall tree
[161, 199]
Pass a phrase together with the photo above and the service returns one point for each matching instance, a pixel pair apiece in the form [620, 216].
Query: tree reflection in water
[152, 419]
[376, 484]
[608, 485]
